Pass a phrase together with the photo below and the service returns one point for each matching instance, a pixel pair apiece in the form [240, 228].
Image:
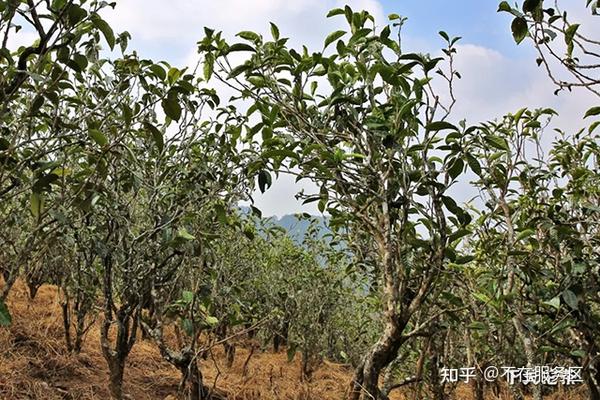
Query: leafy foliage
[121, 178]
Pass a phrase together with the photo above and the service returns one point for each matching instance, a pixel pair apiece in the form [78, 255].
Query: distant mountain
[296, 225]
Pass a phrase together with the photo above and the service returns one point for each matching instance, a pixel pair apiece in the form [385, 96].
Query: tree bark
[227, 347]
[126, 319]
[281, 336]
[185, 360]
[116, 368]
[67, 323]
[437, 386]
[517, 319]
[591, 383]
[527, 342]
[591, 365]
[191, 373]
[126, 333]
[10, 277]
[366, 376]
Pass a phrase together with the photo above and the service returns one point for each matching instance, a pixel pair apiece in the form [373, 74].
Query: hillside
[296, 225]
[156, 236]
[34, 365]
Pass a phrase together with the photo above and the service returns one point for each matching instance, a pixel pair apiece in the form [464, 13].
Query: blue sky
[498, 76]
[476, 21]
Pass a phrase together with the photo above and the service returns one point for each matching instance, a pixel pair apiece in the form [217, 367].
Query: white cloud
[172, 29]
[280, 198]
[25, 37]
[175, 26]
[492, 83]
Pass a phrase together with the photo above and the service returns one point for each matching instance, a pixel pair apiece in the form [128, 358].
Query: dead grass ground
[35, 365]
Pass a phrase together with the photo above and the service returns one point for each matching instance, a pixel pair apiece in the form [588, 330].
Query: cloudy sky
[498, 76]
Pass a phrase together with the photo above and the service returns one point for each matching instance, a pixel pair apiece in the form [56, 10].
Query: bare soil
[34, 364]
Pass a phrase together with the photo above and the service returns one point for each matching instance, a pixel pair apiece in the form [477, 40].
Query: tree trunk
[10, 277]
[437, 386]
[67, 323]
[400, 302]
[251, 332]
[397, 311]
[191, 374]
[185, 360]
[79, 310]
[227, 347]
[80, 330]
[117, 368]
[477, 384]
[517, 320]
[591, 371]
[229, 353]
[126, 319]
[529, 351]
[281, 336]
[478, 388]
[116, 358]
[593, 389]
[366, 377]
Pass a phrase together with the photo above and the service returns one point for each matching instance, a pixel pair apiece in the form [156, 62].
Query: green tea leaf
[172, 108]
[185, 235]
[440, 126]
[157, 136]
[105, 28]
[592, 112]
[5, 317]
[98, 137]
[519, 29]
[333, 37]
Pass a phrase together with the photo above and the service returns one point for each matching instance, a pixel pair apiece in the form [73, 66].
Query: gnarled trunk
[126, 319]
[115, 357]
[281, 336]
[10, 277]
[116, 368]
[191, 374]
[366, 376]
[229, 348]
[185, 360]
[527, 342]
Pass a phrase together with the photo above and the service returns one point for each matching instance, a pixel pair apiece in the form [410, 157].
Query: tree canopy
[122, 179]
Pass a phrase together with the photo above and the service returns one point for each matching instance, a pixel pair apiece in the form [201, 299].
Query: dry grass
[35, 365]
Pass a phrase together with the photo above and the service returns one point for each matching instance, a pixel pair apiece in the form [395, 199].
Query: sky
[497, 75]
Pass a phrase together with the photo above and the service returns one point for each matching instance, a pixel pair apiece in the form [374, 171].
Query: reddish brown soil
[35, 365]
